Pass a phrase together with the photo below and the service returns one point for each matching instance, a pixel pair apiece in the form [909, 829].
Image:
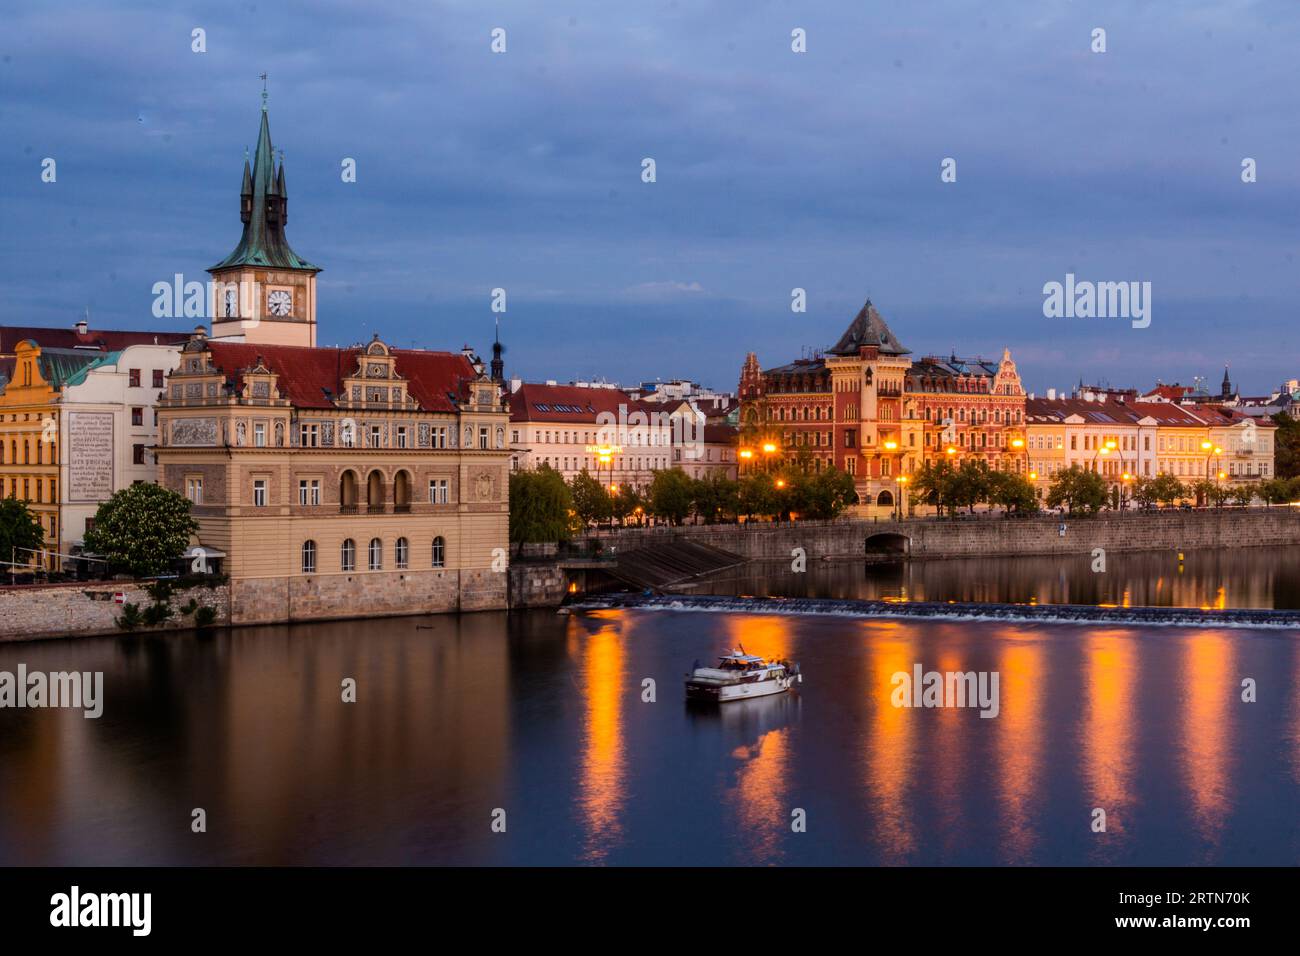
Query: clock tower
[263, 292]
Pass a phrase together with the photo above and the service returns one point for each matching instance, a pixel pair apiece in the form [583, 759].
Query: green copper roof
[58, 366]
[79, 376]
[264, 208]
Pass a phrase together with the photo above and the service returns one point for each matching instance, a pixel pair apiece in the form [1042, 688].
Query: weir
[950, 610]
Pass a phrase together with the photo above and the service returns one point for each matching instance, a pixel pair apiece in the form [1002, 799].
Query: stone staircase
[663, 564]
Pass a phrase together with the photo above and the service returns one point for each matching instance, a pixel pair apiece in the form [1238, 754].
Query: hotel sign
[90, 456]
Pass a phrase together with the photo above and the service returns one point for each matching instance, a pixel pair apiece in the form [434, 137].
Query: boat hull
[722, 693]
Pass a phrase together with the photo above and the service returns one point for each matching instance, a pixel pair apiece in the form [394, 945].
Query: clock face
[279, 302]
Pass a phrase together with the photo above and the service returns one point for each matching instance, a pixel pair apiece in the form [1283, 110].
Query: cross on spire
[262, 76]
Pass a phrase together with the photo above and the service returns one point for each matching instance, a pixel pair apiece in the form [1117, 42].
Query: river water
[540, 721]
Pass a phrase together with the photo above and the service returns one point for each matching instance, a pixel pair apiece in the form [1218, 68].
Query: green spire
[265, 213]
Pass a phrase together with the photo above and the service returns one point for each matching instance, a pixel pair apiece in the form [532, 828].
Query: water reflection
[1244, 578]
[1209, 688]
[890, 750]
[1107, 735]
[1020, 740]
[601, 781]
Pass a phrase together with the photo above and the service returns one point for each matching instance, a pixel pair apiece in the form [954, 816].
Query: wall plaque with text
[90, 456]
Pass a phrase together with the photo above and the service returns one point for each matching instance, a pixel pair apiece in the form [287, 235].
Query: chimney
[1051, 394]
[83, 327]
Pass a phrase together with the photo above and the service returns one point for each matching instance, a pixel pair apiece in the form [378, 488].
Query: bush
[205, 617]
[156, 614]
[130, 617]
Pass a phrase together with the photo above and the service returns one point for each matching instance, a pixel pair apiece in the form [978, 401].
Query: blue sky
[775, 170]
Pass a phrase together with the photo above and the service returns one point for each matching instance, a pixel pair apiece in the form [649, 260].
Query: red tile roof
[312, 378]
[532, 402]
[103, 340]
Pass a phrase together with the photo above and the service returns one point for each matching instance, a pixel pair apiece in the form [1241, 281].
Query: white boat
[741, 676]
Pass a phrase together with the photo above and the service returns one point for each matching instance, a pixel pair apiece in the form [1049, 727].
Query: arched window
[376, 554]
[348, 555]
[401, 552]
[309, 557]
[439, 552]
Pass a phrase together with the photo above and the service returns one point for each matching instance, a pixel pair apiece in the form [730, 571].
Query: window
[308, 491]
[439, 552]
[348, 555]
[259, 492]
[401, 436]
[309, 557]
[137, 454]
[376, 554]
[133, 378]
[440, 436]
[259, 434]
[401, 553]
[482, 436]
[137, 417]
[194, 490]
[376, 436]
[309, 435]
[438, 491]
[157, 378]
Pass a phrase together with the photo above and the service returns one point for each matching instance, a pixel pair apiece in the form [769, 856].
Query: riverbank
[983, 535]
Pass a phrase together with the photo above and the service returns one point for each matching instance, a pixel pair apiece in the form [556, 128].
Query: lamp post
[902, 490]
[746, 455]
[769, 449]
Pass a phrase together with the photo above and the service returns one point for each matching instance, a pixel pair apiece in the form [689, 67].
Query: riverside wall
[985, 535]
[84, 610]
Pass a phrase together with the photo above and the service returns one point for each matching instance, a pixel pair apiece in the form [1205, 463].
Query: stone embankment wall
[988, 535]
[63, 610]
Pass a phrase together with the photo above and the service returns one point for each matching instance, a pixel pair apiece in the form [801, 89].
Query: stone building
[331, 482]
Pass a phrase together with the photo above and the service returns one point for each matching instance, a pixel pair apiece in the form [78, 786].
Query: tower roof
[868, 328]
[264, 211]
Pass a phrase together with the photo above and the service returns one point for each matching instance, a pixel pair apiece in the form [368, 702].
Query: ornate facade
[866, 407]
[335, 482]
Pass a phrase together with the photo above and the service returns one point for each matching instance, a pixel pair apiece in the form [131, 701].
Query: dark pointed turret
[264, 211]
[1227, 384]
[868, 329]
[498, 364]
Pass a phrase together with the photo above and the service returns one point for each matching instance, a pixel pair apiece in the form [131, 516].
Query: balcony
[347, 509]
[402, 509]
[374, 509]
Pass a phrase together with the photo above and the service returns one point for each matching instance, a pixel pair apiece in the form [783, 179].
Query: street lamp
[902, 490]
[746, 454]
[604, 456]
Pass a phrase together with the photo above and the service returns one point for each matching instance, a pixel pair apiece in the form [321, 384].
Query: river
[539, 723]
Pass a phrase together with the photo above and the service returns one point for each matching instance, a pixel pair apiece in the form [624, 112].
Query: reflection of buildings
[338, 482]
[1109, 728]
[1210, 689]
[601, 783]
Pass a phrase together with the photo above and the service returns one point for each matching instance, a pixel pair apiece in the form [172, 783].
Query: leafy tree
[142, 528]
[1203, 489]
[591, 499]
[826, 494]
[671, 495]
[970, 485]
[1286, 446]
[1166, 489]
[933, 485]
[20, 531]
[1244, 494]
[757, 495]
[715, 497]
[1078, 489]
[1011, 491]
[626, 501]
[541, 507]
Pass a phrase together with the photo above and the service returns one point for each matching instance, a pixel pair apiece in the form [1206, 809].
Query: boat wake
[954, 610]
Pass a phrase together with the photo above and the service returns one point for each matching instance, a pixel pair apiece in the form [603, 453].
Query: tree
[591, 500]
[1244, 494]
[1166, 489]
[1286, 446]
[142, 529]
[1011, 491]
[20, 531]
[626, 501]
[970, 485]
[541, 507]
[671, 495]
[714, 497]
[1078, 489]
[933, 485]
[826, 494]
[756, 495]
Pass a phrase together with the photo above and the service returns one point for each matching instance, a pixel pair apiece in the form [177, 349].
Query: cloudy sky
[775, 170]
